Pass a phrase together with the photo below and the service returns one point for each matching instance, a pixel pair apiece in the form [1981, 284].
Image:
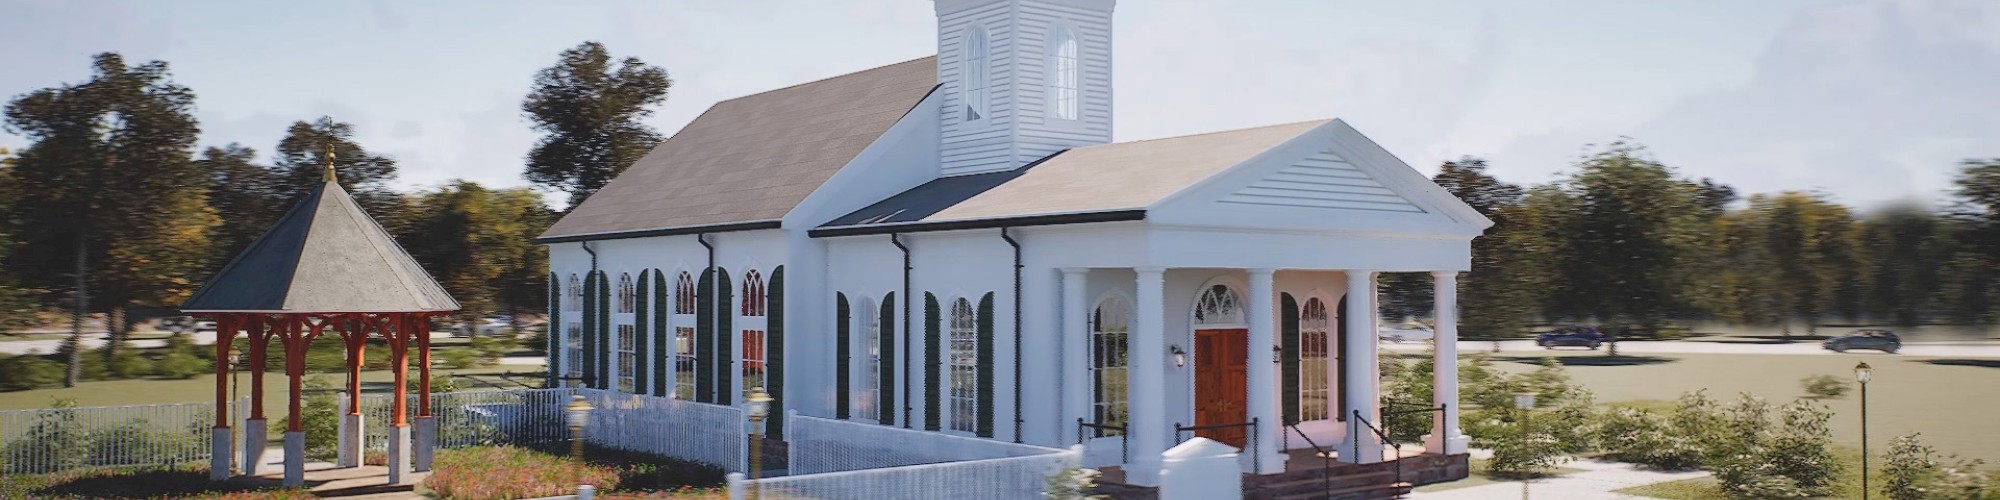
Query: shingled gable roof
[748, 161]
[1102, 183]
[325, 255]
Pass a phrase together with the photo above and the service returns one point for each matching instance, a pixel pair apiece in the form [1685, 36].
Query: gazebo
[325, 267]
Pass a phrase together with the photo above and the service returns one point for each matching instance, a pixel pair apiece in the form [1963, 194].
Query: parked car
[1571, 336]
[1880, 340]
[184, 324]
[1407, 333]
[487, 326]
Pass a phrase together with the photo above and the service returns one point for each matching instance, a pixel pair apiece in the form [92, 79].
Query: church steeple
[1022, 79]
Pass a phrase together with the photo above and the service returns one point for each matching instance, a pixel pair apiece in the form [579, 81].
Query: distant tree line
[110, 207]
[1625, 241]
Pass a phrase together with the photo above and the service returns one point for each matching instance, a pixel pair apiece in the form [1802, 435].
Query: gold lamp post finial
[329, 164]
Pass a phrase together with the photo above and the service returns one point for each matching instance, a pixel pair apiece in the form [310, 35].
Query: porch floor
[1300, 465]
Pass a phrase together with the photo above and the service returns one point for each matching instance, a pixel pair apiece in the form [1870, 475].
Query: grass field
[1949, 400]
[202, 388]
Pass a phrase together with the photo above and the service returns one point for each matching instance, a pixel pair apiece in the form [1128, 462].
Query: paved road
[1961, 349]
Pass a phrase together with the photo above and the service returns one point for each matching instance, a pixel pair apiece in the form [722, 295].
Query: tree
[1624, 236]
[1971, 289]
[1901, 244]
[1808, 245]
[588, 109]
[15, 302]
[301, 164]
[1497, 296]
[479, 243]
[250, 197]
[108, 203]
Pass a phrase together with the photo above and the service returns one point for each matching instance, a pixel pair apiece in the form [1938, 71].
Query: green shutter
[774, 353]
[886, 390]
[1288, 331]
[933, 361]
[640, 339]
[1339, 351]
[604, 332]
[725, 339]
[984, 428]
[704, 338]
[663, 358]
[587, 362]
[841, 352]
[554, 329]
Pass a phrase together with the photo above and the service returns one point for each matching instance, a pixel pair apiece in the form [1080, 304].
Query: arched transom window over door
[1313, 350]
[1110, 325]
[1219, 306]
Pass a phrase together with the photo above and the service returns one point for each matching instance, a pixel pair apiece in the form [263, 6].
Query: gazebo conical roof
[325, 255]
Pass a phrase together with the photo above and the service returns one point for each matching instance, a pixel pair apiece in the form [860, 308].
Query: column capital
[1260, 271]
[1072, 271]
[1150, 269]
[1450, 275]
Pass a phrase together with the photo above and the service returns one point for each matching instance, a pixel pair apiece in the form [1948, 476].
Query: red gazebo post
[255, 432]
[398, 329]
[221, 442]
[426, 436]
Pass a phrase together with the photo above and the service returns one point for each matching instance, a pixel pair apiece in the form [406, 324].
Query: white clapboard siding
[1322, 181]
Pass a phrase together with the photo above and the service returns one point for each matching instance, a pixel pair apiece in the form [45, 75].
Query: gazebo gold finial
[329, 163]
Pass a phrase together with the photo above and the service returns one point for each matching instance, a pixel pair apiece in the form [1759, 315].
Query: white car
[1406, 333]
[488, 326]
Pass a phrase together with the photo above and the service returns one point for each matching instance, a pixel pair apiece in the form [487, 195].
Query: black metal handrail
[1355, 430]
[1124, 438]
[1256, 458]
[1325, 455]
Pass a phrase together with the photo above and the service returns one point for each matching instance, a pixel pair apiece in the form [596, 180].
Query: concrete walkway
[1597, 481]
[1716, 345]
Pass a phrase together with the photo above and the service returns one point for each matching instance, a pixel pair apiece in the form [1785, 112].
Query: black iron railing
[1256, 458]
[1124, 438]
[1359, 421]
[1325, 456]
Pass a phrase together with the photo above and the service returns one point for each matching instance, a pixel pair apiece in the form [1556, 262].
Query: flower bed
[181, 482]
[507, 472]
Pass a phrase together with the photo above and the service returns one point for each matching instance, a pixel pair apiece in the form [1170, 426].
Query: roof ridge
[842, 75]
[1234, 130]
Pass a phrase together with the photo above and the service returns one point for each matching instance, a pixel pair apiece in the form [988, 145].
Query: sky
[1870, 102]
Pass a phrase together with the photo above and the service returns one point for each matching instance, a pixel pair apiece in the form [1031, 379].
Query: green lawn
[202, 388]
[1949, 400]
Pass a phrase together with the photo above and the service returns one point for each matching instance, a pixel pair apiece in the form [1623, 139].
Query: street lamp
[1524, 401]
[1862, 373]
[759, 406]
[579, 414]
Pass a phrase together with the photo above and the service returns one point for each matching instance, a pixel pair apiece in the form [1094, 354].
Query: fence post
[585, 492]
[736, 485]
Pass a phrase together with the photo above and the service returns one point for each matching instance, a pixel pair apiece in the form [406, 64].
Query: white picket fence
[834, 459]
[631, 422]
[58, 439]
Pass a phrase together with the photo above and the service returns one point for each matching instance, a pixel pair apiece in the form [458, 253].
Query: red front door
[1219, 390]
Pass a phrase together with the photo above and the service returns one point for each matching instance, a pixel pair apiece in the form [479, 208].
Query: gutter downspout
[715, 291]
[1017, 330]
[896, 238]
[589, 378]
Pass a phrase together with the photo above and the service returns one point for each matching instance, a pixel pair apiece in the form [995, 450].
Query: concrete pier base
[219, 451]
[295, 459]
[255, 440]
[399, 454]
[349, 452]
[425, 444]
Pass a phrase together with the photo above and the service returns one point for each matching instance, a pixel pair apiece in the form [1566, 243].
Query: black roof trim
[672, 231]
[957, 225]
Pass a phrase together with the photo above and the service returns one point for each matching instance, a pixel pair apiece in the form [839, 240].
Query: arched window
[1313, 352]
[964, 365]
[1064, 72]
[753, 329]
[976, 67]
[573, 331]
[1110, 324]
[1218, 306]
[625, 292]
[684, 327]
[575, 293]
[626, 341]
[871, 361]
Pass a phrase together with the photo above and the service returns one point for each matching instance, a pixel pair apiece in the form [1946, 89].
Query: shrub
[1646, 438]
[1072, 484]
[1520, 452]
[459, 358]
[1792, 459]
[1801, 447]
[29, 371]
[506, 472]
[180, 361]
[1962, 478]
[319, 417]
[1824, 386]
[1908, 468]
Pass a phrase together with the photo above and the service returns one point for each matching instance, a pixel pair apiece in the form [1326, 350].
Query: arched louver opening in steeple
[977, 65]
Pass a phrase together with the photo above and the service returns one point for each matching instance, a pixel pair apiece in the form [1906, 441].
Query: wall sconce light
[1180, 356]
[1277, 354]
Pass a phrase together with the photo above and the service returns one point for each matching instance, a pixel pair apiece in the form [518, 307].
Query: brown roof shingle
[753, 158]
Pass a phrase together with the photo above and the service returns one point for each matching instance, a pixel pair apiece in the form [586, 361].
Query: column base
[1454, 445]
[425, 444]
[295, 459]
[255, 439]
[1143, 471]
[1368, 452]
[349, 450]
[1272, 463]
[219, 450]
[399, 454]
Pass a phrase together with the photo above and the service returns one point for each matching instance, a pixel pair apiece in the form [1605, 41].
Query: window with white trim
[753, 309]
[976, 65]
[684, 321]
[871, 361]
[964, 364]
[626, 341]
[1065, 74]
[1110, 325]
[1313, 357]
[573, 332]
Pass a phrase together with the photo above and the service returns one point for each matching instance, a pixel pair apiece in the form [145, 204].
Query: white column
[1075, 343]
[1147, 378]
[1361, 444]
[1445, 437]
[1263, 373]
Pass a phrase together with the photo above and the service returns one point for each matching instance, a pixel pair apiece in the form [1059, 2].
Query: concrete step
[1316, 482]
[1365, 492]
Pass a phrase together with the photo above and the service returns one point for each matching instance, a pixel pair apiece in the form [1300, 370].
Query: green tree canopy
[301, 162]
[479, 243]
[588, 109]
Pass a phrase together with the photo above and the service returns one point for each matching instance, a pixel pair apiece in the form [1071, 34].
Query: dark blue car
[1571, 336]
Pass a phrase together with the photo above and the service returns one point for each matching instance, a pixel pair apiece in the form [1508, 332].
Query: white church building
[955, 244]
